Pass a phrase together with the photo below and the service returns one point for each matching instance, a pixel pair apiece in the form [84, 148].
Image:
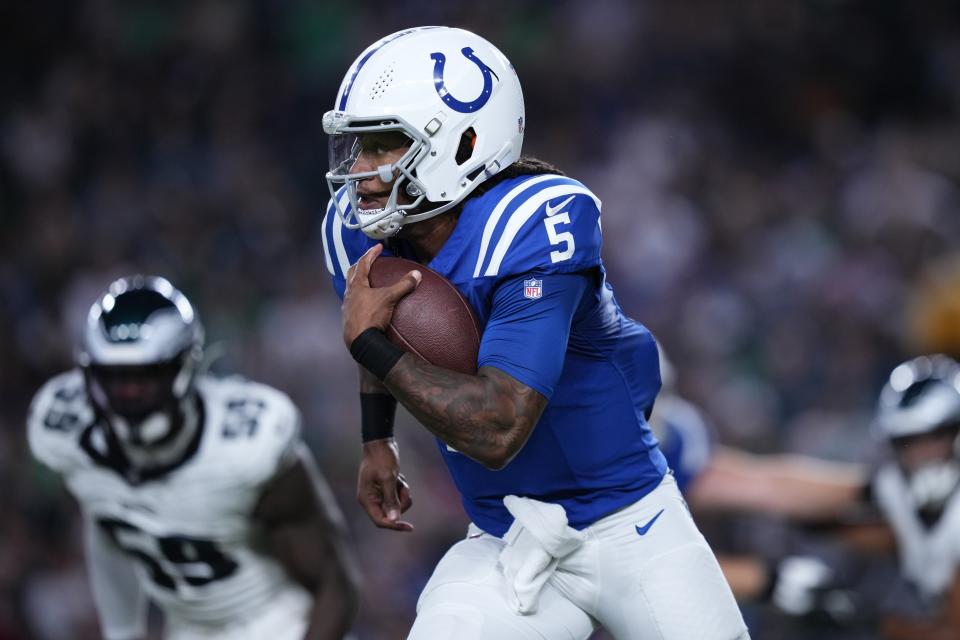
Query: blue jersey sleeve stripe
[324, 229]
[526, 211]
[497, 213]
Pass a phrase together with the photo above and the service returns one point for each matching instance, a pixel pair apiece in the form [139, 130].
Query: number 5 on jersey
[552, 221]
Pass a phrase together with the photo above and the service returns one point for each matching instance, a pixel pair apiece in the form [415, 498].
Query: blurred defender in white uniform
[196, 492]
[915, 494]
[919, 490]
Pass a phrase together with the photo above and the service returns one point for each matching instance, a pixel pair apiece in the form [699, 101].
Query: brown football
[434, 322]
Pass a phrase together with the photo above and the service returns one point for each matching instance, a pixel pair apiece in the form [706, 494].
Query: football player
[575, 520]
[715, 478]
[916, 492]
[196, 492]
[919, 415]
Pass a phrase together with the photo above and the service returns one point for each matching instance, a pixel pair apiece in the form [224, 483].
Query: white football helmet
[453, 94]
[922, 397]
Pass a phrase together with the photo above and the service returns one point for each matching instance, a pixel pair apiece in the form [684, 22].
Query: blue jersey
[526, 254]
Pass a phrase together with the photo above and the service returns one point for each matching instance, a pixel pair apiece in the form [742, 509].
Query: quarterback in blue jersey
[575, 520]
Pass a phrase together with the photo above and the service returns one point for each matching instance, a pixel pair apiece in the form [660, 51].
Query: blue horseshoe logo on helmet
[440, 60]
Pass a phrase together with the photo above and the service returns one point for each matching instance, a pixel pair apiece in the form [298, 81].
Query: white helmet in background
[921, 402]
[453, 94]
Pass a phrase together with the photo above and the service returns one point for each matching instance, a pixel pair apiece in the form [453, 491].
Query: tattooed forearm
[487, 417]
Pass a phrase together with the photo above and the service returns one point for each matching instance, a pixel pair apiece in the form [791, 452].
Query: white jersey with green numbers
[188, 530]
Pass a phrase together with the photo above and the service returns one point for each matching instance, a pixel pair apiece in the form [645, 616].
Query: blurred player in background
[804, 493]
[919, 415]
[916, 493]
[574, 518]
[715, 478]
[197, 493]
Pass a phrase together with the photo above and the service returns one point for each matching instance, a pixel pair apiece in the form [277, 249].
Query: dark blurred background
[780, 188]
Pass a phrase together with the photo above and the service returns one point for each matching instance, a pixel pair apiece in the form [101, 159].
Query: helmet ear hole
[468, 140]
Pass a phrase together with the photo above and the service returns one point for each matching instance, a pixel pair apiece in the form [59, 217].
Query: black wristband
[377, 411]
[375, 353]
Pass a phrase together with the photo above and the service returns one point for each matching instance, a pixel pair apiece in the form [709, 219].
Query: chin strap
[380, 228]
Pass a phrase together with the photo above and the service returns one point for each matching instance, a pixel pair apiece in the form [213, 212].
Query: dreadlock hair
[524, 166]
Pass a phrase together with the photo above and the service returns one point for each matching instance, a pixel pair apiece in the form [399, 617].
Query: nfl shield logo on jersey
[532, 288]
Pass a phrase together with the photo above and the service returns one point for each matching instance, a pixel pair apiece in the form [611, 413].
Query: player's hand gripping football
[365, 307]
[381, 489]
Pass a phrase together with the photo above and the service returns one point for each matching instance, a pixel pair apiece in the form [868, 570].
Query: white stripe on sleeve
[323, 236]
[342, 258]
[498, 213]
[526, 211]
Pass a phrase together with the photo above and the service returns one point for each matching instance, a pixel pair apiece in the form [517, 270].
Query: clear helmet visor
[342, 153]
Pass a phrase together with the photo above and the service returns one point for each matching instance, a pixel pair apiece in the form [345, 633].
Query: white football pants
[643, 573]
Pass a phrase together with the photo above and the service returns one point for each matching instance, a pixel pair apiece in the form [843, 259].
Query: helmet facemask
[406, 192]
[930, 464]
[143, 403]
[919, 415]
[140, 354]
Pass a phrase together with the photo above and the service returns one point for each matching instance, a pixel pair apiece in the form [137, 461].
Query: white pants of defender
[662, 585]
[284, 618]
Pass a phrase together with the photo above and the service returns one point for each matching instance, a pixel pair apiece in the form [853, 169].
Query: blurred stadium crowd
[781, 208]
